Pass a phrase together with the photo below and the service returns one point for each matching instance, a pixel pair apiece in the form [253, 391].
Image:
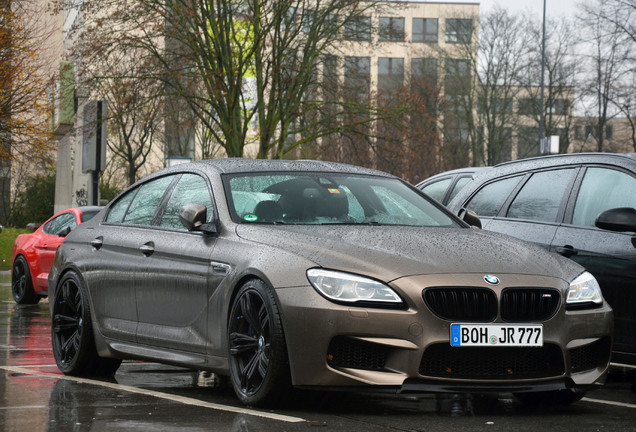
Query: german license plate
[527, 335]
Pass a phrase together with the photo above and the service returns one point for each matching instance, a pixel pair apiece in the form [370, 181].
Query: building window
[528, 107]
[330, 79]
[424, 30]
[578, 132]
[357, 72]
[358, 29]
[308, 20]
[390, 74]
[424, 69]
[559, 107]
[609, 132]
[459, 30]
[391, 29]
[456, 76]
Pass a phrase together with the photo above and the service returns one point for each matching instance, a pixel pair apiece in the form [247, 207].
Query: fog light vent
[345, 352]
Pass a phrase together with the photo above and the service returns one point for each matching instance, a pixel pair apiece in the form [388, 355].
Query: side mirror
[470, 217]
[194, 216]
[66, 231]
[617, 219]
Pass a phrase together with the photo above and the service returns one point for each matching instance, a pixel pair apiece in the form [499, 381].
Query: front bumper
[408, 350]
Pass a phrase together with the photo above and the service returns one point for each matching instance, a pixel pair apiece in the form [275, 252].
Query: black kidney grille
[356, 354]
[529, 304]
[590, 356]
[500, 363]
[462, 303]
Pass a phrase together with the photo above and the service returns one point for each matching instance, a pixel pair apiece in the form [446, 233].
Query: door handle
[567, 251]
[97, 243]
[147, 249]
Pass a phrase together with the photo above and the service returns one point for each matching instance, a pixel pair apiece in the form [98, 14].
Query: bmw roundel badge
[492, 280]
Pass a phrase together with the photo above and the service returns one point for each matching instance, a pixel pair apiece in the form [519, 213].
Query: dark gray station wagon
[582, 206]
[281, 274]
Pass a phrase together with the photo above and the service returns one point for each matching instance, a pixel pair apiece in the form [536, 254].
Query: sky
[554, 8]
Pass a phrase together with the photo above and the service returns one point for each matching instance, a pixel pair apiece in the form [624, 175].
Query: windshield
[319, 198]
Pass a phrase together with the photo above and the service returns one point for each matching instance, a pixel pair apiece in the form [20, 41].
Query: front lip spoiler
[426, 386]
[421, 386]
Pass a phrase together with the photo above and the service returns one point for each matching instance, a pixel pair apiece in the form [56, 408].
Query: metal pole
[541, 106]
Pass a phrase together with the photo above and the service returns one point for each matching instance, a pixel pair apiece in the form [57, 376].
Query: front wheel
[22, 284]
[72, 332]
[259, 367]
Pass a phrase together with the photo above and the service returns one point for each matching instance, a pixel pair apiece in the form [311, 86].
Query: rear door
[119, 255]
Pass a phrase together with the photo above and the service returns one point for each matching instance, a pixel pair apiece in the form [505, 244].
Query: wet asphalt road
[36, 397]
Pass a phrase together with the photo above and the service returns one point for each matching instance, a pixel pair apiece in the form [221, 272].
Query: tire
[548, 398]
[258, 362]
[72, 332]
[21, 283]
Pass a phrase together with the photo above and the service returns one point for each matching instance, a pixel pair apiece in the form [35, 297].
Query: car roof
[466, 170]
[246, 165]
[626, 160]
[570, 158]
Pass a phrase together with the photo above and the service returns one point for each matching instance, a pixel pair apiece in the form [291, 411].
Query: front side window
[138, 206]
[191, 189]
[488, 201]
[58, 225]
[321, 199]
[437, 190]
[603, 189]
[541, 197]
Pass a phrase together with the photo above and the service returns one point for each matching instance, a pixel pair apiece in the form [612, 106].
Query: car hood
[391, 252]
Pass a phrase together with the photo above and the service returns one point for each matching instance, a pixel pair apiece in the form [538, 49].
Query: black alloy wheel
[72, 333]
[259, 368]
[21, 283]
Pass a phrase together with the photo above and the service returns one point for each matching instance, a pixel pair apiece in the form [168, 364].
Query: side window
[118, 210]
[438, 189]
[60, 223]
[461, 182]
[144, 205]
[488, 201]
[190, 189]
[540, 198]
[603, 189]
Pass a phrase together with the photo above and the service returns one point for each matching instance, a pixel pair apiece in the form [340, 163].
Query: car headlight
[584, 290]
[350, 288]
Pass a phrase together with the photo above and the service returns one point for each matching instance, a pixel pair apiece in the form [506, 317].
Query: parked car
[320, 275]
[444, 186]
[33, 253]
[578, 205]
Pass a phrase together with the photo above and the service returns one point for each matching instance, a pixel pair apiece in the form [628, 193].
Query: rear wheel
[259, 368]
[556, 397]
[72, 332]
[21, 283]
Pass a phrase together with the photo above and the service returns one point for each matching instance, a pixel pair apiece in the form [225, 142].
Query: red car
[33, 253]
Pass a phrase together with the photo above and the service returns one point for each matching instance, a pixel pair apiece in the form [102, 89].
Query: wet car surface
[315, 275]
[36, 397]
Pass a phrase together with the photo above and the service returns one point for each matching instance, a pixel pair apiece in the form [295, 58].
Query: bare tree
[243, 68]
[482, 82]
[561, 68]
[25, 134]
[608, 51]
